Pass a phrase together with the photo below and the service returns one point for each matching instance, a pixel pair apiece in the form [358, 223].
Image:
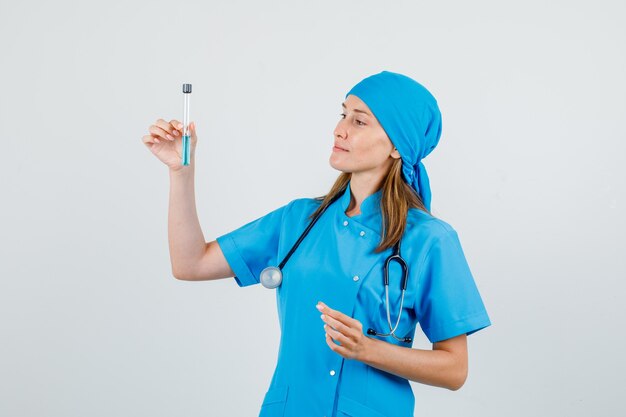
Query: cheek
[372, 152]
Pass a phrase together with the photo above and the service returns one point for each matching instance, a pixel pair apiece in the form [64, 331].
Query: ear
[395, 154]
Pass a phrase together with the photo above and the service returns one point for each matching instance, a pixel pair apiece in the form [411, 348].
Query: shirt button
[362, 233]
[355, 278]
[345, 222]
[332, 372]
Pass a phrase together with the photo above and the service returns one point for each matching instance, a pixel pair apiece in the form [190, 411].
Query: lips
[339, 147]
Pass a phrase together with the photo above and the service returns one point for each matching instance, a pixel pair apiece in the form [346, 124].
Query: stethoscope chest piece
[271, 277]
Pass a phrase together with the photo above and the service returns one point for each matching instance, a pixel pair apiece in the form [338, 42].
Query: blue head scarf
[409, 114]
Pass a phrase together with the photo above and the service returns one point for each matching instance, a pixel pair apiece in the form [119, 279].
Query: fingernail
[319, 307]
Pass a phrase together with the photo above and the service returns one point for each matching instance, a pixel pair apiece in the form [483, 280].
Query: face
[366, 146]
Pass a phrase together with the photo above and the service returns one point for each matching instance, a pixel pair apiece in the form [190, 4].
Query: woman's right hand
[169, 149]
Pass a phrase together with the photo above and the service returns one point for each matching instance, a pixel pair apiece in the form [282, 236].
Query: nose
[340, 132]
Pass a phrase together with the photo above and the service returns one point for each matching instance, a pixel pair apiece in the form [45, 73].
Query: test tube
[186, 136]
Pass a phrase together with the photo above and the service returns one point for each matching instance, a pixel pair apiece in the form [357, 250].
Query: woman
[347, 360]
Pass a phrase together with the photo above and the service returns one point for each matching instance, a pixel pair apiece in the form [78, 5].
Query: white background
[529, 170]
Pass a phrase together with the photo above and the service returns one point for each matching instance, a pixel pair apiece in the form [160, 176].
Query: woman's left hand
[345, 330]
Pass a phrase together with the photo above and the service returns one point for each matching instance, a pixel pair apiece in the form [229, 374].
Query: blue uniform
[335, 264]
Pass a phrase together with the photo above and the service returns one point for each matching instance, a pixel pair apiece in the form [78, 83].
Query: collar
[370, 215]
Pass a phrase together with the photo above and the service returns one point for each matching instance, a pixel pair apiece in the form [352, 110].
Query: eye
[358, 121]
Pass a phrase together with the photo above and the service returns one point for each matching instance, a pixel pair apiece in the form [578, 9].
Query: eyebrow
[357, 110]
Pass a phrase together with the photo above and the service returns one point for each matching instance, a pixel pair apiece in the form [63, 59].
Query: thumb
[192, 130]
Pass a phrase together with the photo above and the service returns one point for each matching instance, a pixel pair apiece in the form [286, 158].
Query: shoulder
[435, 225]
[427, 228]
[302, 207]
[304, 204]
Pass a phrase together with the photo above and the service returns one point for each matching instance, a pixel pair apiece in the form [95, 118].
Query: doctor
[332, 290]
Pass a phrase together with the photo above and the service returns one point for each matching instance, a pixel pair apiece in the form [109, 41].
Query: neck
[361, 187]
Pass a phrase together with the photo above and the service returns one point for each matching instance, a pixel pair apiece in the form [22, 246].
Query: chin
[338, 167]
[334, 164]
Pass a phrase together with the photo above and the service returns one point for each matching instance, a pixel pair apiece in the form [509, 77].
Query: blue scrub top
[336, 264]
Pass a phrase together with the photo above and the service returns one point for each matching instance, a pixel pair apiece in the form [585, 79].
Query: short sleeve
[253, 246]
[448, 302]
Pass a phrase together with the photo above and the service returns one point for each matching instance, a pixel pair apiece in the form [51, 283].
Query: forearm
[433, 367]
[186, 241]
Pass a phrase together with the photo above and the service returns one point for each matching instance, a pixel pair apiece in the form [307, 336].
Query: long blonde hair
[396, 199]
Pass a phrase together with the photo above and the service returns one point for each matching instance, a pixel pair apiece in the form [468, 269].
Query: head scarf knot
[410, 116]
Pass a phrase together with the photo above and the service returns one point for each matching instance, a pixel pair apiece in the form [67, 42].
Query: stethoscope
[272, 276]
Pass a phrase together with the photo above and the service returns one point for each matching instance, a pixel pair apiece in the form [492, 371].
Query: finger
[335, 347]
[330, 342]
[336, 324]
[167, 128]
[160, 133]
[149, 140]
[348, 321]
[335, 335]
[175, 129]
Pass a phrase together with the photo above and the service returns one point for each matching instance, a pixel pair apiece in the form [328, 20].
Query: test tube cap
[186, 88]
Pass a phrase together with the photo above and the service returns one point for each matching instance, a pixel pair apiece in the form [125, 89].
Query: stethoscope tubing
[277, 271]
[306, 232]
[405, 274]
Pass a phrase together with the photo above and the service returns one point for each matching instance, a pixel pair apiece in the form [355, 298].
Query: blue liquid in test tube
[186, 135]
